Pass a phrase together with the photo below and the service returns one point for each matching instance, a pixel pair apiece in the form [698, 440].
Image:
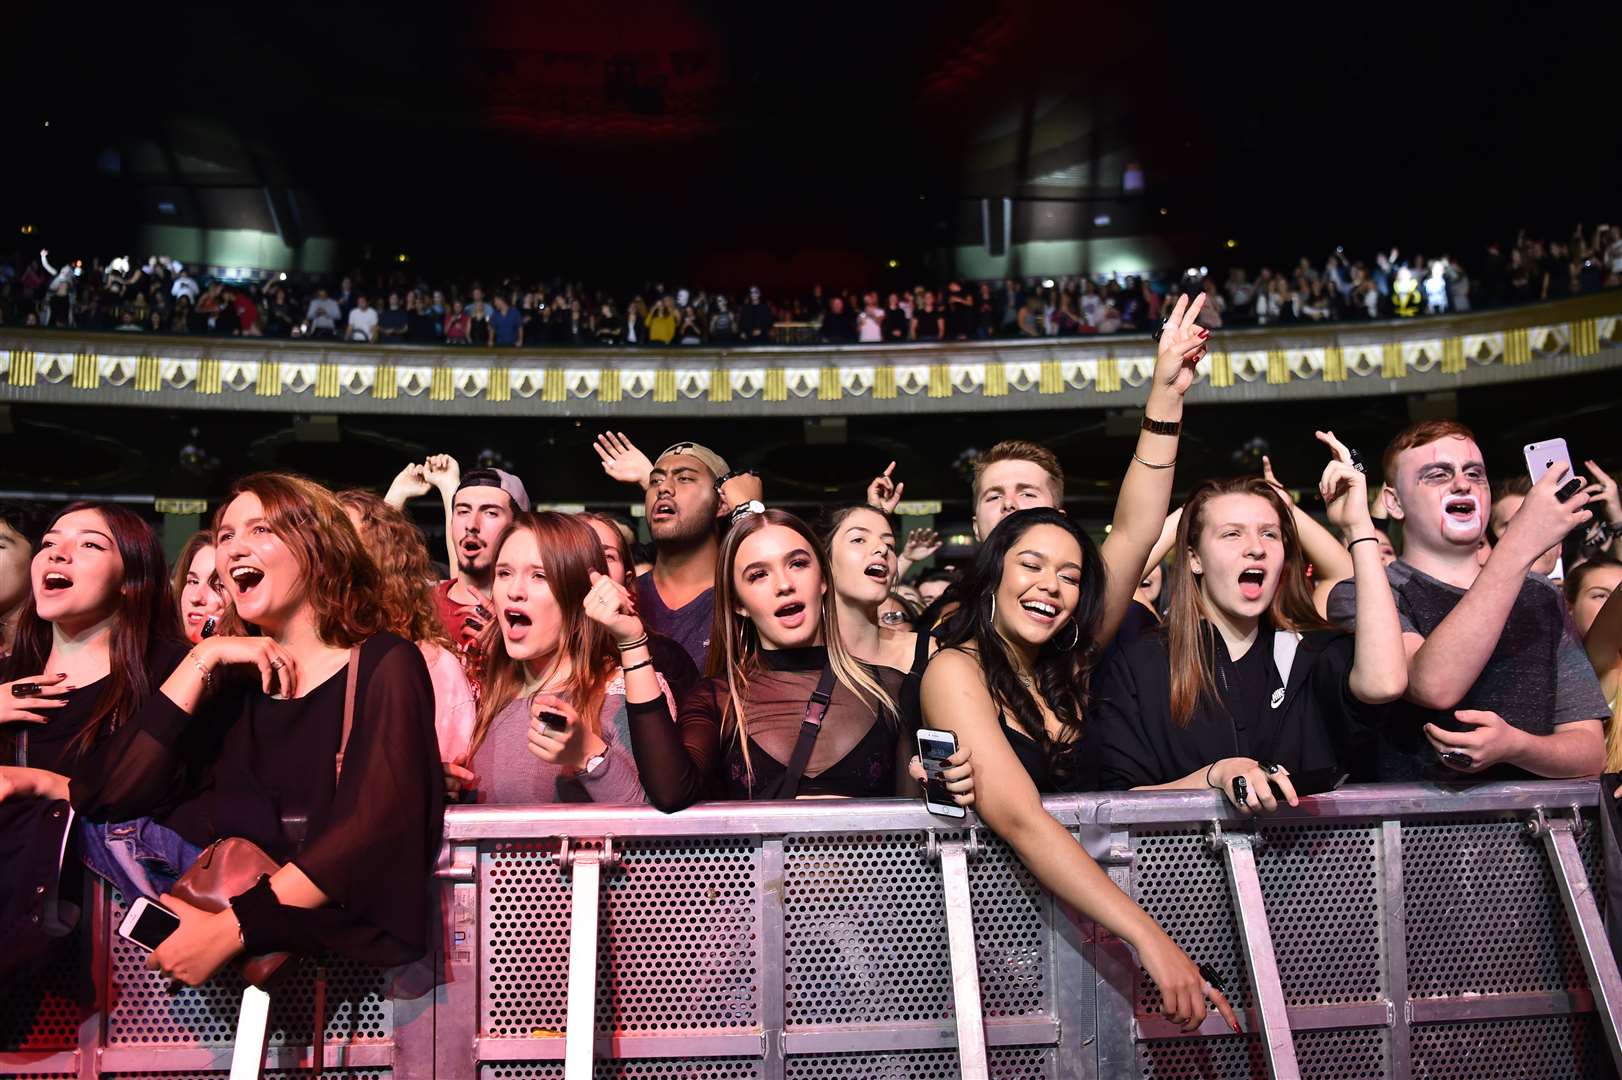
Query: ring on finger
[277, 662]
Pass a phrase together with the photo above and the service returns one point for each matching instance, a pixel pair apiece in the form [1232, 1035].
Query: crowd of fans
[763, 657]
[398, 306]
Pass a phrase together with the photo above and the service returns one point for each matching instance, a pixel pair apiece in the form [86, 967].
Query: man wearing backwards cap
[479, 505]
[677, 597]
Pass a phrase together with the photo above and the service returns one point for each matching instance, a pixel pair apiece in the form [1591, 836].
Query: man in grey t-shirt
[1498, 684]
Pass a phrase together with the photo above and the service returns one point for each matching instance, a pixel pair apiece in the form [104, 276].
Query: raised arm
[1443, 666]
[1330, 561]
[1379, 663]
[1140, 509]
[443, 473]
[622, 460]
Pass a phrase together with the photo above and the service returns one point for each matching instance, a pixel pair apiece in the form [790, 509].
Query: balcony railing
[1301, 361]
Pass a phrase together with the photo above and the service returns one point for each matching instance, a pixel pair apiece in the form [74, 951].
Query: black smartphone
[210, 624]
[556, 723]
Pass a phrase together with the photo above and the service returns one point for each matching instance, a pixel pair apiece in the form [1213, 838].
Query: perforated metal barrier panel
[1417, 933]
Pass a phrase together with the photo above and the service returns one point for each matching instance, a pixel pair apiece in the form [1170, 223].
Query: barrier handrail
[466, 824]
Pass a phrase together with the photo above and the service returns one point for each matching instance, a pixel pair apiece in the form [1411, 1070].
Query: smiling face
[77, 571]
[778, 585]
[862, 557]
[479, 515]
[203, 595]
[526, 609]
[681, 500]
[1239, 556]
[1597, 585]
[1041, 586]
[1006, 486]
[1440, 495]
[263, 578]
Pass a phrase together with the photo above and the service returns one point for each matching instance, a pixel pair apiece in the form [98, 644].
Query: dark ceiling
[662, 131]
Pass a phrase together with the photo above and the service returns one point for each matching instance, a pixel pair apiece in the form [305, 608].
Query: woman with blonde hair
[303, 726]
[778, 669]
[564, 668]
[406, 593]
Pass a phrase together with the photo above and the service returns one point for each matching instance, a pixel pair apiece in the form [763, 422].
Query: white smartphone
[1543, 456]
[934, 747]
[148, 923]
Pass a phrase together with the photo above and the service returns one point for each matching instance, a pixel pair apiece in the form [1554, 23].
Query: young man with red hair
[1498, 685]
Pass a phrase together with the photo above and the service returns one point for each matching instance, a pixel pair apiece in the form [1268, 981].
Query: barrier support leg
[971, 1030]
[1239, 853]
[581, 1033]
[253, 1029]
[1560, 844]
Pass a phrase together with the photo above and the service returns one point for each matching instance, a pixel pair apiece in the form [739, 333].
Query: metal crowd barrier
[1388, 931]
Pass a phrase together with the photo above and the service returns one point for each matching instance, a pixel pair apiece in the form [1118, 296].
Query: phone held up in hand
[934, 747]
[1545, 455]
[148, 923]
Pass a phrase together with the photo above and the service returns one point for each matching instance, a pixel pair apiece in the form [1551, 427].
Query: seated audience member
[96, 633]
[1506, 500]
[670, 660]
[1596, 608]
[245, 739]
[567, 663]
[478, 507]
[1247, 686]
[1011, 674]
[19, 532]
[777, 648]
[406, 595]
[199, 594]
[1498, 686]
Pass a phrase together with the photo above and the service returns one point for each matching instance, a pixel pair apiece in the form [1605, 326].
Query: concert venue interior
[1131, 589]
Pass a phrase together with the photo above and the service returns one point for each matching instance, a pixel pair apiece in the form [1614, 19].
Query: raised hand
[611, 605]
[1603, 491]
[1345, 490]
[622, 460]
[883, 493]
[921, 544]
[1182, 344]
[1543, 519]
[1267, 474]
[409, 483]
[277, 672]
[442, 471]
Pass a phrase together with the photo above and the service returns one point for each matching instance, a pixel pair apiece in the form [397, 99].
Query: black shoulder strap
[815, 710]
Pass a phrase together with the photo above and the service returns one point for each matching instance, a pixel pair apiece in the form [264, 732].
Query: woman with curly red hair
[245, 736]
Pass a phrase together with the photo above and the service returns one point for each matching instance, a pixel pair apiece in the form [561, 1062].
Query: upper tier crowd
[399, 306]
[302, 678]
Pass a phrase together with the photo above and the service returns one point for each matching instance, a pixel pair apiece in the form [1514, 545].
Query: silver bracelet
[1152, 464]
[202, 669]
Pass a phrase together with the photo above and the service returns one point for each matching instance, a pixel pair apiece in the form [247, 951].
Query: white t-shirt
[870, 324]
[362, 322]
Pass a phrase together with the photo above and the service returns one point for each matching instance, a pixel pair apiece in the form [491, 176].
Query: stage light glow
[1101, 220]
[1047, 283]
[1164, 211]
[894, 263]
[1231, 244]
[28, 230]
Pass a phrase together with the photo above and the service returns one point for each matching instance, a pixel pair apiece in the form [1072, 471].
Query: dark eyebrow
[98, 532]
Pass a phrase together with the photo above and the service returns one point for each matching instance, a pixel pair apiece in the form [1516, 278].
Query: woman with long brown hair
[96, 634]
[247, 735]
[198, 591]
[563, 669]
[406, 581]
[1246, 685]
[774, 645]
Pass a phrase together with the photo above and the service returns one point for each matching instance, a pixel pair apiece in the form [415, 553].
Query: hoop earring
[993, 609]
[1076, 637]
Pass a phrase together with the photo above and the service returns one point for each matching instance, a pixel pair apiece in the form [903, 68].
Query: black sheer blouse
[858, 753]
[251, 766]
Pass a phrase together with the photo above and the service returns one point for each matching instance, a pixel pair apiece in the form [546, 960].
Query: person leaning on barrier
[243, 740]
[96, 634]
[1011, 674]
[777, 642]
[1246, 687]
[1498, 685]
[564, 666]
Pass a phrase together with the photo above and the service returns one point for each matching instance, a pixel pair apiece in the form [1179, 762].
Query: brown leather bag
[231, 866]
